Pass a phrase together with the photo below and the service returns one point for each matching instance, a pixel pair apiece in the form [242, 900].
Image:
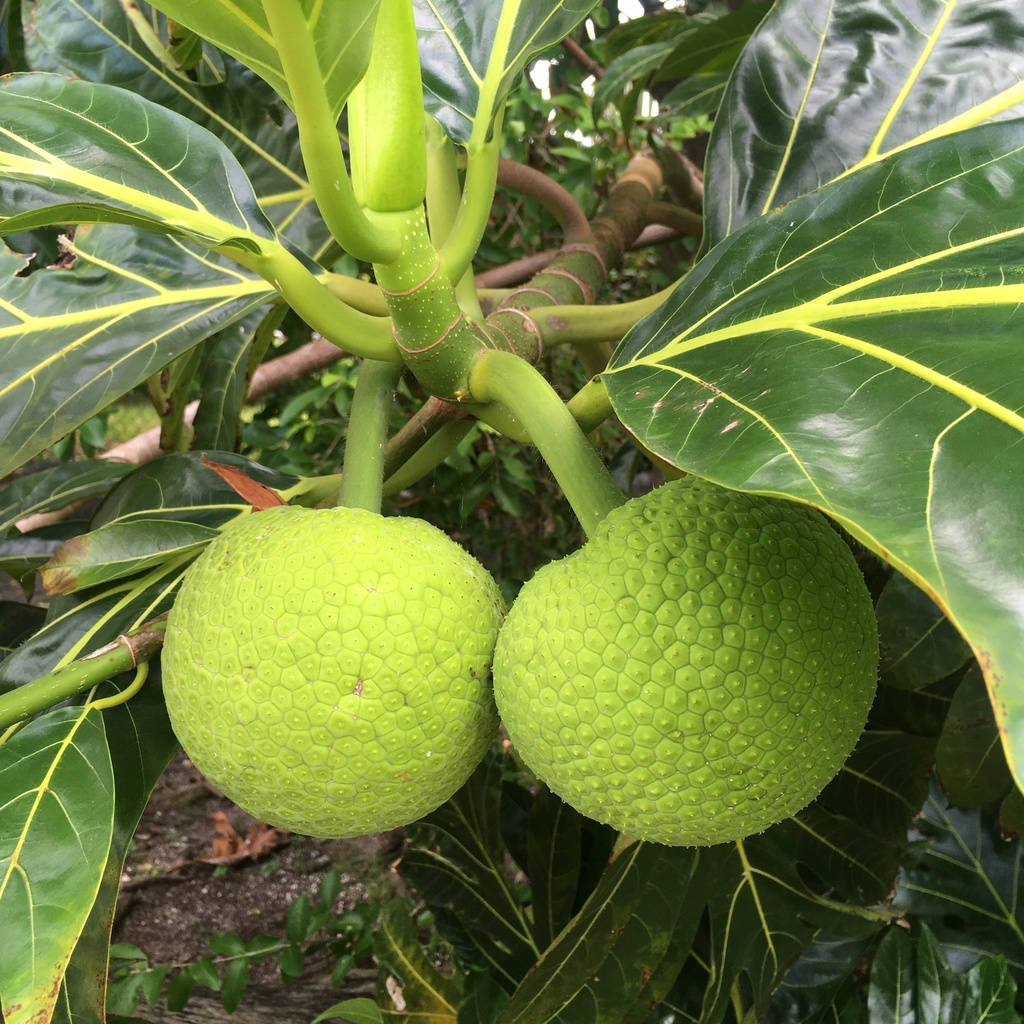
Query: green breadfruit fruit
[329, 670]
[698, 671]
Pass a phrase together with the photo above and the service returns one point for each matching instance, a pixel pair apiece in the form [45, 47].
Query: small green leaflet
[342, 31]
[74, 339]
[859, 351]
[472, 52]
[871, 77]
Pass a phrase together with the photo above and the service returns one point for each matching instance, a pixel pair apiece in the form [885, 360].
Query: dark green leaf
[98, 41]
[893, 980]
[456, 863]
[409, 986]
[553, 864]
[483, 1000]
[918, 645]
[989, 995]
[56, 794]
[821, 981]
[57, 487]
[17, 623]
[824, 88]
[20, 556]
[607, 954]
[640, 62]
[472, 52]
[342, 33]
[963, 880]
[870, 332]
[697, 95]
[121, 549]
[297, 920]
[145, 165]
[72, 339]
[969, 757]
[179, 990]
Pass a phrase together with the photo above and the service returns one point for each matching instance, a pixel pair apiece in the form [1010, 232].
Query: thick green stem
[590, 406]
[348, 328]
[125, 653]
[318, 137]
[588, 486]
[363, 473]
[443, 198]
[582, 325]
[475, 209]
[428, 456]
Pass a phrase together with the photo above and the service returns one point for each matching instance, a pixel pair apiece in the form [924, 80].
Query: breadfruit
[329, 670]
[696, 672]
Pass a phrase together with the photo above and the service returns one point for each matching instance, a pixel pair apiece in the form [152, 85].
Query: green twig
[477, 198]
[590, 406]
[428, 456]
[592, 324]
[362, 474]
[125, 653]
[584, 479]
[318, 137]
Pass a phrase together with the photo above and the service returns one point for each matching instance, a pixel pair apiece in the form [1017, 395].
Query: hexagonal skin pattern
[329, 670]
[734, 698]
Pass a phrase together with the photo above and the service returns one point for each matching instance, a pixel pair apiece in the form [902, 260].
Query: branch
[556, 199]
[582, 58]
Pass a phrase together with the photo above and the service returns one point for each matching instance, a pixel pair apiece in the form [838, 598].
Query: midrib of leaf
[496, 65]
[911, 80]
[397, 950]
[633, 854]
[110, 314]
[198, 222]
[748, 875]
[226, 125]
[41, 790]
[787, 152]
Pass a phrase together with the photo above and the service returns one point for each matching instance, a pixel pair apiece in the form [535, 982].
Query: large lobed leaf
[72, 339]
[824, 88]
[342, 32]
[472, 52]
[101, 41]
[857, 351]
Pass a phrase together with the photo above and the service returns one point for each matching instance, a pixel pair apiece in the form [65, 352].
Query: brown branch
[582, 58]
[556, 199]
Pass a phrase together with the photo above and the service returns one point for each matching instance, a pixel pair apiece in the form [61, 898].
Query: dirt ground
[172, 901]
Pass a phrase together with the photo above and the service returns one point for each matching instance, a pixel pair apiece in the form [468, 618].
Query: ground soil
[172, 901]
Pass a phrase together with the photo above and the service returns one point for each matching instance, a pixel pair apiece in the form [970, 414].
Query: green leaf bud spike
[387, 137]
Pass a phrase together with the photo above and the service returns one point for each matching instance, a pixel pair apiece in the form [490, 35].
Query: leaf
[823, 89]
[118, 550]
[99, 41]
[181, 486]
[141, 744]
[599, 964]
[73, 339]
[353, 1011]
[56, 488]
[472, 52]
[76, 152]
[918, 645]
[870, 335]
[483, 1001]
[963, 881]
[456, 863]
[553, 864]
[258, 496]
[969, 757]
[17, 623]
[410, 987]
[342, 32]
[822, 979]
[56, 794]
[770, 897]
[911, 981]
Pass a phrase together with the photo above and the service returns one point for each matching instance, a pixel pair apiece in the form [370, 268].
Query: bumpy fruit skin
[328, 670]
[698, 671]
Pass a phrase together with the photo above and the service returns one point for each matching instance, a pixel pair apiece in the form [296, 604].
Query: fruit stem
[362, 475]
[512, 382]
[125, 653]
[428, 456]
